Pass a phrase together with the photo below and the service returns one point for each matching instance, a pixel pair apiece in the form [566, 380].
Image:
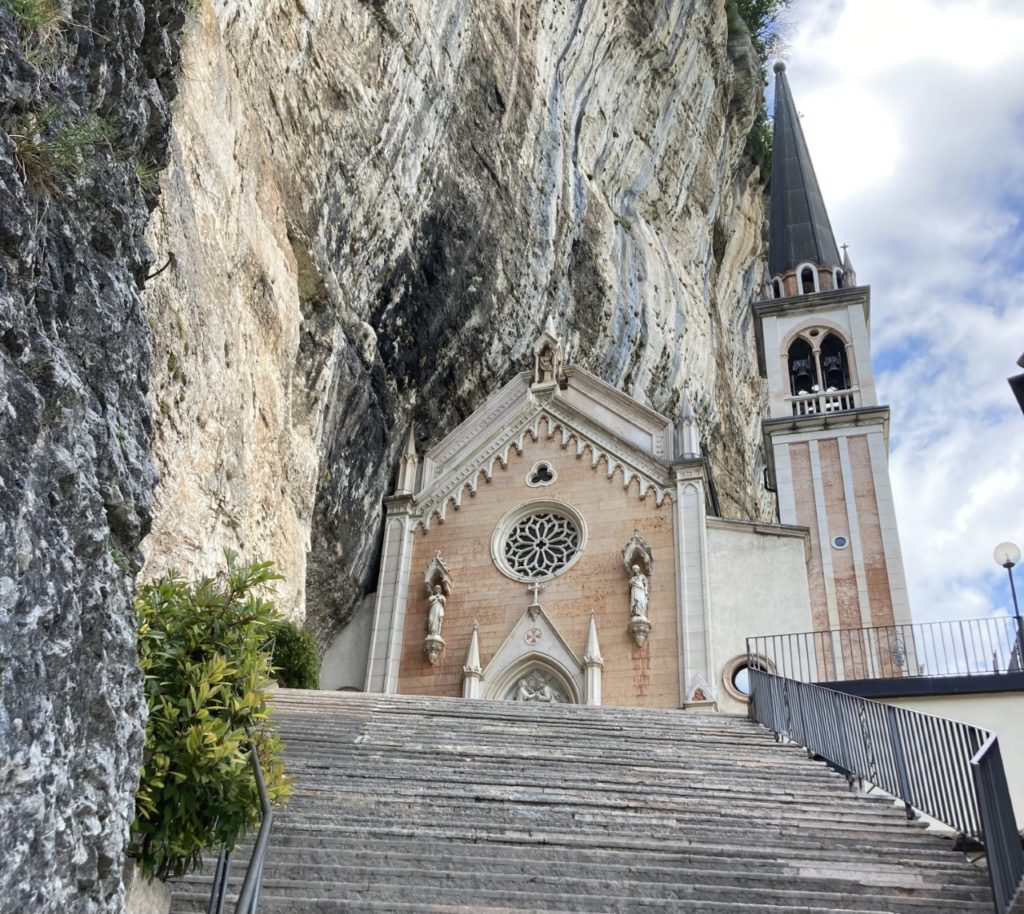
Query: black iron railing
[972, 647]
[249, 894]
[948, 770]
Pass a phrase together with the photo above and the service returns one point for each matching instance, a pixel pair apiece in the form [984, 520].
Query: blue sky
[914, 114]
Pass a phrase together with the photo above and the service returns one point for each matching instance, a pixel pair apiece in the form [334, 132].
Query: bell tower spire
[827, 436]
[802, 253]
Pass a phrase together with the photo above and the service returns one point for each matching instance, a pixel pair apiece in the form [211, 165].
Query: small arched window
[837, 279]
[834, 366]
[777, 287]
[802, 377]
[808, 280]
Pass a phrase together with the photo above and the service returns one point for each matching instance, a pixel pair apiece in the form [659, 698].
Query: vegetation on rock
[295, 658]
[36, 14]
[760, 20]
[203, 650]
[53, 148]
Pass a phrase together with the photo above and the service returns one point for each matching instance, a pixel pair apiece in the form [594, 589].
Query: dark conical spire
[800, 229]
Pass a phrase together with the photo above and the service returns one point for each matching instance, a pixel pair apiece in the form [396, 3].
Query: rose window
[541, 544]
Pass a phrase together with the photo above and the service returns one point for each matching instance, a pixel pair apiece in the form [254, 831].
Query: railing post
[250, 890]
[900, 759]
[219, 891]
[1019, 626]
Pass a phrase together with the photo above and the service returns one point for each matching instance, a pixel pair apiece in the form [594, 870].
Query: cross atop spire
[800, 227]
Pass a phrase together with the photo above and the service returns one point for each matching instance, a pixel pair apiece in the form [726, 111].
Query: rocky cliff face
[83, 113]
[370, 208]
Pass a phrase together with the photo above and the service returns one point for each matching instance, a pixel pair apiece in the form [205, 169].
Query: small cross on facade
[536, 587]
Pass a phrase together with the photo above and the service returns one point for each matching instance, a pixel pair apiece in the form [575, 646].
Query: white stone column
[692, 585]
[593, 666]
[472, 672]
[392, 595]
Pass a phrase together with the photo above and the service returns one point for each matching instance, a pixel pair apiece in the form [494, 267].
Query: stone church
[563, 543]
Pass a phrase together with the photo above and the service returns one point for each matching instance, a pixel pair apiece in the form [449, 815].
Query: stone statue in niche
[438, 584]
[548, 355]
[547, 365]
[638, 591]
[435, 613]
[638, 561]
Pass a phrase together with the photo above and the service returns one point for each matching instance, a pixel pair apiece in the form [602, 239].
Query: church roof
[800, 228]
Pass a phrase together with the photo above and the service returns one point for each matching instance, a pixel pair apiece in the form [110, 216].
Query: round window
[741, 680]
[538, 541]
[736, 675]
[840, 542]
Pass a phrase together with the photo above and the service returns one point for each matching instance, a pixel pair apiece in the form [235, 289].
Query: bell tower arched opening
[835, 368]
[802, 374]
[808, 280]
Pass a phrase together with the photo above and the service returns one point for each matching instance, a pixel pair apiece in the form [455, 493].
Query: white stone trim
[515, 399]
[785, 490]
[677, 554]
[824, 544]
[593, 665]
[855, 543]
[471, 672]
[861, 339]
[456, 446]
[888, 528]
[844, 431]
[390, 604]
[807, 265]
[398, 623]
[449, 489]
[696, 597]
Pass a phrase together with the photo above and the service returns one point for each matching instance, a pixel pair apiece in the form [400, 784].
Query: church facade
[561, 544]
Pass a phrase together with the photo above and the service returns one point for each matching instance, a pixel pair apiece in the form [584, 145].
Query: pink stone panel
[646, 677]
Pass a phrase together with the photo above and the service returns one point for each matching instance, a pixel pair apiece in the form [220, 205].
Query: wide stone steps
[415, 804]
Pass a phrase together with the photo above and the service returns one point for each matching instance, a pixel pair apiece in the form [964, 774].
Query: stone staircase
[423, 804]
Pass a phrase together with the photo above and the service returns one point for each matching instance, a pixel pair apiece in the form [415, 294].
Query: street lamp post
[1007, 555]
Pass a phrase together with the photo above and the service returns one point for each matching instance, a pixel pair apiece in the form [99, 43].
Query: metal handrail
[967, 647]
[948, 770]
[1004, 843]
[249, 894]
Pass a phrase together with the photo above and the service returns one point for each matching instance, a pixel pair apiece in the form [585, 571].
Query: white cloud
[914, 114]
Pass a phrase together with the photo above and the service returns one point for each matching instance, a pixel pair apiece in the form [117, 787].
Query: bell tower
[826, 438]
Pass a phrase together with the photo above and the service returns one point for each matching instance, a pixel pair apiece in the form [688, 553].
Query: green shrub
[202, 648]
[295, 659]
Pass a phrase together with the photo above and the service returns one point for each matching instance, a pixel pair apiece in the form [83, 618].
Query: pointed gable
[586, 414]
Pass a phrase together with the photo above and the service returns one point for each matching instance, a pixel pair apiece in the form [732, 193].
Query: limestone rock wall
[370, 208]
[83, 114]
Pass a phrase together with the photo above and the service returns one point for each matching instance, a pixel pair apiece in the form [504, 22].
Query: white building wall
[758, 577]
